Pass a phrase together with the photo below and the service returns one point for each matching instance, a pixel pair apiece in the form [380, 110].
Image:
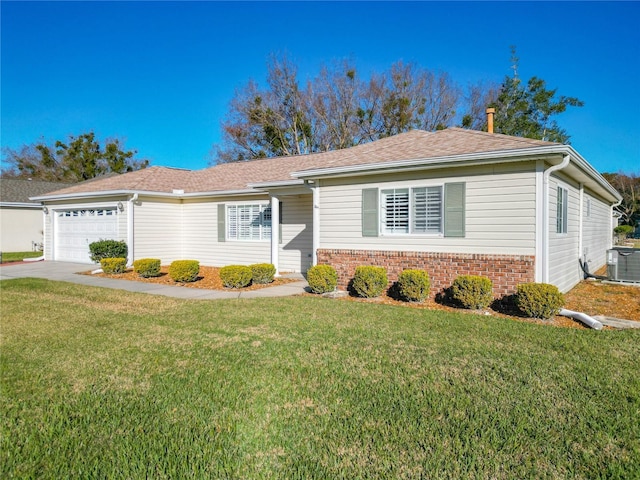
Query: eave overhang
[126, 193]
[581, 169]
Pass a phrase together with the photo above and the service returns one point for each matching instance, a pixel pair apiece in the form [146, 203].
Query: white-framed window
[250, 222]
[416, 210]
[562, 210]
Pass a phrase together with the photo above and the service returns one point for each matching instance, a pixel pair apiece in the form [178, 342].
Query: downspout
[275, 233]
[130, 242]
[545, 214]
[611, 226]
[315, 241]
[580, 224]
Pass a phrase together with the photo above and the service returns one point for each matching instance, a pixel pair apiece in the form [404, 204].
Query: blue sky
[160, 75]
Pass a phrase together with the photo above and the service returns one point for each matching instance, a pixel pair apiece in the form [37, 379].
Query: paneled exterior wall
[596, 230]
[158, 229]
[20, 227]
[297, 233]
[500, 212]
[200, 227]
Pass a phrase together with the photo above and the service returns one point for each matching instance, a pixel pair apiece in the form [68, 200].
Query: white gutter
[277, 184]
[435, 162]
[113, 193]
[130, 238]
[35, 206]
[545, 215]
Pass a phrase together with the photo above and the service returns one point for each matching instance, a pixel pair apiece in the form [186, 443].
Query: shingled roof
[13, 190]
[412, 145]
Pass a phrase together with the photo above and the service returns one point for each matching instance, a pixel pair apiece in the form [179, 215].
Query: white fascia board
[120, 193]
[277, 184]
[35, 206]
[75, 196]
[581, 163]
[218, 193]
[434, 162]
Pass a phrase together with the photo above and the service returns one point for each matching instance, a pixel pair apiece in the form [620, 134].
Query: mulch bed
[208, 278]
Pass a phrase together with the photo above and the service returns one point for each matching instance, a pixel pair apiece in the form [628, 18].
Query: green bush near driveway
[108, 249]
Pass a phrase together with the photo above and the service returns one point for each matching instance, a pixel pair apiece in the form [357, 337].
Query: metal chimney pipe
[490, 112]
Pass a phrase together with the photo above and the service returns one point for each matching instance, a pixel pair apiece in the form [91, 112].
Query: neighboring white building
[20, 218]
[452, 202]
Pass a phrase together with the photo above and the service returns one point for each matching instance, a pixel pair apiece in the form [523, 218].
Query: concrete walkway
[68, 272]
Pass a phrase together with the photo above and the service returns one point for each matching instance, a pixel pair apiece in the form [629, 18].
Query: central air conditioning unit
[623, 264]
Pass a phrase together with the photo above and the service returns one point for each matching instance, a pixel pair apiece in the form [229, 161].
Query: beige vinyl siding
[200, 227]
[596, 232]
[158, 229]
[20, 227]
[297, 233]
[564, 269]
[500, 211]
[49, 219]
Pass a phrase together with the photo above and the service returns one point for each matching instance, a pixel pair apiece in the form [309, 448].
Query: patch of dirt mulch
[208, 278]
[597, 298]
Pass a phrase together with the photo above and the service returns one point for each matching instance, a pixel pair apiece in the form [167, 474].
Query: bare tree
[479, 96]
[335, 110]
[629, 187]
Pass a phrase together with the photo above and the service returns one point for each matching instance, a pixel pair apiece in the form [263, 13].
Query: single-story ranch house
[452, 202]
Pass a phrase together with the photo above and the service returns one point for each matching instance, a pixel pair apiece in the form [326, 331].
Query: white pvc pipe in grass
[583, 317]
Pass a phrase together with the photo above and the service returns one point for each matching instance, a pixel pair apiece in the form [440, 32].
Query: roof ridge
[488, 135]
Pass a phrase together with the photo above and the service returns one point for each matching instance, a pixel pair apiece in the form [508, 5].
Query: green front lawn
[18, 256]
[102, 383]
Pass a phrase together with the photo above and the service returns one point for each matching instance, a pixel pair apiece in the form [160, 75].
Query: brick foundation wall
[505, 271]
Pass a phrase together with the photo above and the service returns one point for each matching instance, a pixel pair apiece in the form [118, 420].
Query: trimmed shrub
[235, 276]
[414, 285]
[184, 271]
[369, 281]
[262, 272]
[147, 267]
[113, 265]
[108, 249]
[322, 278]
[472, 291]
[539, 300]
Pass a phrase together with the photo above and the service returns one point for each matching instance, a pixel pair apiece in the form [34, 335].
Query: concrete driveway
[68, 272]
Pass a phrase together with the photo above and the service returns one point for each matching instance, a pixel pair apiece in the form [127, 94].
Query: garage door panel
[76, 229]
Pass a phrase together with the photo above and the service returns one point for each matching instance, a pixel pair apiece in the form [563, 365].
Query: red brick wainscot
[505, 271]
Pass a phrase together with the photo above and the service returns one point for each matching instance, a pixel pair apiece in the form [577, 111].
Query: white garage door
[76, 229]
